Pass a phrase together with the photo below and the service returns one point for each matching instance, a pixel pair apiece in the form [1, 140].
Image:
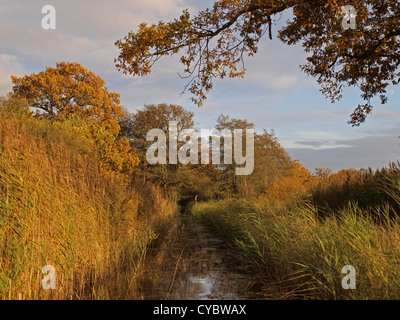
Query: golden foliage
[293, 182]
[115, 154]
[216, 40]
[58, 208]
[70, 91]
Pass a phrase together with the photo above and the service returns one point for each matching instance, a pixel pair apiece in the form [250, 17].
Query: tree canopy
[216, 41]
[185, 181]
[71, 90]
[136, 126]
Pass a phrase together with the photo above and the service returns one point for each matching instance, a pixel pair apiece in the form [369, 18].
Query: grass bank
[58, 208]
[301, 252]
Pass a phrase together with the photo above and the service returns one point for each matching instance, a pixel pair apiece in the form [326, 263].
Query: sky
[274, 95]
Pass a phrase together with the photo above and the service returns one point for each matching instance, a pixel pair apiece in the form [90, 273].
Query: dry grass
[301, 254]
[57, 208]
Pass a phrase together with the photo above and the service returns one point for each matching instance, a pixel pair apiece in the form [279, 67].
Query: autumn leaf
[215, 42]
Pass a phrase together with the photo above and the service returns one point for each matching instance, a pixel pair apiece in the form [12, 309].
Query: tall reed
[58, 208]
[301, 253]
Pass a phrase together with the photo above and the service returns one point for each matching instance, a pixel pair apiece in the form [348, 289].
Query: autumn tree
[271, 161]
[70, 91]
[215, 42]
[295, 181]
[186, 181]
[322, 173]
[237, 185]
[135, 127]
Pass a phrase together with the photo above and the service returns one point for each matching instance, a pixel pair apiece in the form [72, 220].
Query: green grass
[301, 255]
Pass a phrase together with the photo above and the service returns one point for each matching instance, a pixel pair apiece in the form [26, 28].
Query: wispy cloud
[275, 94]
[361, 153]
[9, 65]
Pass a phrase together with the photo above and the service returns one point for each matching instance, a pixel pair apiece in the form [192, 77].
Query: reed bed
[57, 208]
[300, 252]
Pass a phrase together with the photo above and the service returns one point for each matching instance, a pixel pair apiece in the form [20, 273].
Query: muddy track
[190, 263]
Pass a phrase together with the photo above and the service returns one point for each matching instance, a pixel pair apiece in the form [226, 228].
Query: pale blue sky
[275, 94]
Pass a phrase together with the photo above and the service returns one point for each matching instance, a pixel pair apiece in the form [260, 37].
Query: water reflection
[192, 264]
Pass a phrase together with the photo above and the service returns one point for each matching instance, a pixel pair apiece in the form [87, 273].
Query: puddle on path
[192, 264]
